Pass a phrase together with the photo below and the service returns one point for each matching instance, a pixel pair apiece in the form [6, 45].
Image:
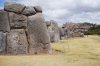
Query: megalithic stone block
[62, 33]
[56, 31]
[13, 7]
[38, 33]
[17, 20]
[28, 11]
[51, 34]
[4, 21]
[2, 43]
[17, 42]
[53, 30]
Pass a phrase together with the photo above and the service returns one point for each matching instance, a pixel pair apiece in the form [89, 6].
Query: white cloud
[67, 10]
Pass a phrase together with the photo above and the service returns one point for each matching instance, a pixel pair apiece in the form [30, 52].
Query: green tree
[93, 31]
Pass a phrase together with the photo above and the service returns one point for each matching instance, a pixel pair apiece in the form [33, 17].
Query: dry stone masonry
[2, 43]
[4, 21]
[17, 42]
[23, 30]
[38, 33]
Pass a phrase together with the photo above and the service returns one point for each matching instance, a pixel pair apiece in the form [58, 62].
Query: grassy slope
[74, 52]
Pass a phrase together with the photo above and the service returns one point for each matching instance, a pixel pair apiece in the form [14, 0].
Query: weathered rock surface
[52, 36]
[48, 23]
[13, 7]
[23, 30]
[62, 33]
[53, 31]
[38, 34]
[4, 21]
[17, 42]
[76, 29]
[2, 43]
[17, 20]
[56, 32]
[28, 11]
[38, 9]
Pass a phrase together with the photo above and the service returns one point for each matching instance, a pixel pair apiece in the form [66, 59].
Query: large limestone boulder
[52, 36]
[38, 35]
[2, 43]
[17, 20]
[38, 9]
[17, 42]
[4, 21]
[53, 31]
[13, 7]
[62, 33]
[56, 32]
[28, 11]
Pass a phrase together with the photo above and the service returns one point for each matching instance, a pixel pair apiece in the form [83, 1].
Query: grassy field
[70, 52]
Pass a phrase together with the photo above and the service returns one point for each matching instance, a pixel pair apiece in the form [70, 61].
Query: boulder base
[38, 34]
[17, 42]
[2, 43]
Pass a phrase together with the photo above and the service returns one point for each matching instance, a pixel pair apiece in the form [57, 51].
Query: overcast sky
[66, 10]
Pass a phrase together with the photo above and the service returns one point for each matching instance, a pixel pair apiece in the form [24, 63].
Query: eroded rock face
[51, 33]
[13, 7]
[53, 30]
[38, 33]
[17, 42]
[2, 43]
[17, 20]
[4, 21]
[62, 33]
[56, 32]
[28, 11]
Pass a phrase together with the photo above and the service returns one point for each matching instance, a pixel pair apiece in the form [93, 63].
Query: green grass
[70, 52]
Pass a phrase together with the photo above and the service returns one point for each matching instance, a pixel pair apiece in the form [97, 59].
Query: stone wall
[76, 29]
[22, 30]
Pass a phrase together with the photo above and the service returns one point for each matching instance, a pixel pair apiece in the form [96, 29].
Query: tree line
[93, 30]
